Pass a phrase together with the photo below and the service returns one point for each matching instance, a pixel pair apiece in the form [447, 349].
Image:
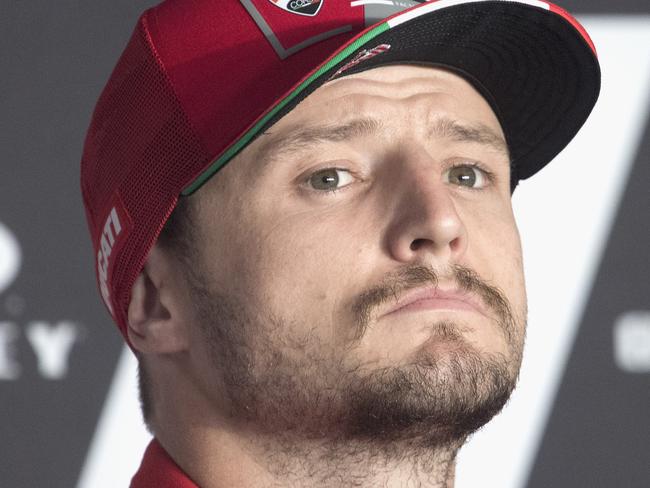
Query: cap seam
[161, 65]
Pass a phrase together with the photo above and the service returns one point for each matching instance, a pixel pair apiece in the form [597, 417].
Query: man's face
[381, 189]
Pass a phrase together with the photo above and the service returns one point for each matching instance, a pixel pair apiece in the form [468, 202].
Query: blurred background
[69, 415]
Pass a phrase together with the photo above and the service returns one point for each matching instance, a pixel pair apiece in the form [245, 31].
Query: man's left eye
[330, 179]
[468, 175]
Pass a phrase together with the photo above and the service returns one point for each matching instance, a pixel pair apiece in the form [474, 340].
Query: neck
[224, 458]
[327, 463]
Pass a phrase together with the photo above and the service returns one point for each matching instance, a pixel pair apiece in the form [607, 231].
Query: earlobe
[154, 315]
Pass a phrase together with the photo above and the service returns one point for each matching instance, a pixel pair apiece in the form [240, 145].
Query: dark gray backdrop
[54, 59]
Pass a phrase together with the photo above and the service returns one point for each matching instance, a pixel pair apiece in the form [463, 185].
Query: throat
[359, 464]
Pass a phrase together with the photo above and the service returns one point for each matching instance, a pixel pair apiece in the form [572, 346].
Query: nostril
[418, 243]
[456, 244]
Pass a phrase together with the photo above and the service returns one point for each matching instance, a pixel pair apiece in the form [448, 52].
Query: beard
[293, 385]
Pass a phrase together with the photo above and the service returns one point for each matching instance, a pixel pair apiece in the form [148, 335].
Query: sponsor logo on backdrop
[632, 342]
[10, 257]
[51, 342]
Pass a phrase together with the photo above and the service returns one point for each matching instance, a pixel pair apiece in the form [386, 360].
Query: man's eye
[330, 179]
[468, 175]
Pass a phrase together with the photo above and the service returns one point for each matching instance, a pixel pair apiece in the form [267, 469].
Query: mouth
[433, 298]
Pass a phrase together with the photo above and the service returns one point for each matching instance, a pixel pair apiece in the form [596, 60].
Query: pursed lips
[433, 298]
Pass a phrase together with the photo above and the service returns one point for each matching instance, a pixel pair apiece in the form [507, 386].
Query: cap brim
[530, 60]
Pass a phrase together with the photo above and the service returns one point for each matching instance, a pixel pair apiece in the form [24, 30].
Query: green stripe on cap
[243, 141]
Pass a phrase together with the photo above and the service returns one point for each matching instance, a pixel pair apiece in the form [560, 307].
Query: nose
[425, 225]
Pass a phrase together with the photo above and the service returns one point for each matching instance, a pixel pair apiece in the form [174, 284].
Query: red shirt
[158, 470]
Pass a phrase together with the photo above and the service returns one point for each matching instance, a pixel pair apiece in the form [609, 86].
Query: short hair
[144, 391]
[176, 237]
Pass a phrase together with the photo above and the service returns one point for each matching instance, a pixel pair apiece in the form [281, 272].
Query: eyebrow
[305, 137]
[477, 133]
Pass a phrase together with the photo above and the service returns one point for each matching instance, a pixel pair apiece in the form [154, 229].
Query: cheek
[293, 265]
[495, 252]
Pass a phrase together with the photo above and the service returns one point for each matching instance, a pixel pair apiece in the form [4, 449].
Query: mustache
[400, 281]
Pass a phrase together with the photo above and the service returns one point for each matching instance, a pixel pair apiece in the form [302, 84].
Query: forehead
[405, 91]
[428, 102]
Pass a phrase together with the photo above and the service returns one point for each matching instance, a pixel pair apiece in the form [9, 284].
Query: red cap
[200, 79]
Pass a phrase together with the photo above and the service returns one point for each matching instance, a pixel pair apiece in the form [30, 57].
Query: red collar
[159, 470]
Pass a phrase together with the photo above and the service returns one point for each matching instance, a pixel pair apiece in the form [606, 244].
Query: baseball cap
[199, 80]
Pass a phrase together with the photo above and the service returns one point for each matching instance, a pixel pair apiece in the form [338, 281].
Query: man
[304, 228]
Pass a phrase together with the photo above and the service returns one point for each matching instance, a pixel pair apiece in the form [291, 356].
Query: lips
[432, 298]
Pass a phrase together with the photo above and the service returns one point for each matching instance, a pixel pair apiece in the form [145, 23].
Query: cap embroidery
[111, 238]
[362, 56]
[271, 30]
[300, 7]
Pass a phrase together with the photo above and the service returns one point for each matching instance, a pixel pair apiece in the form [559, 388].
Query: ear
[156, 324]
